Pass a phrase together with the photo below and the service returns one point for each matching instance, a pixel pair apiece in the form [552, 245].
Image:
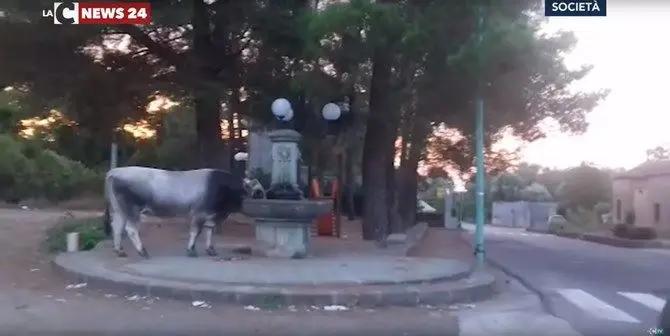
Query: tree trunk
[407, 188]
[208, 129]
[207, 93]
[395, 222]
[350, 183]
[233, 143]
[378, 134]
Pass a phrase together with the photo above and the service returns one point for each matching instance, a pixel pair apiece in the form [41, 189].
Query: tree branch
[163, 51]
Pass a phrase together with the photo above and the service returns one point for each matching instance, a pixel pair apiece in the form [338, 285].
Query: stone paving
[375, 280]
[343, 272]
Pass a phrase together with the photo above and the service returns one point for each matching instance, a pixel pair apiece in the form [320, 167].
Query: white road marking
[595, 306]
[648, 300]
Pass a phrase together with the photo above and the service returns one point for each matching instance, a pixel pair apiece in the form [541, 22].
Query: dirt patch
[24, 265]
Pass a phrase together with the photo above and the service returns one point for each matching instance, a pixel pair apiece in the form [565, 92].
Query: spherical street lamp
[288, 116]
[331, 112]
[282, 110]
[334, 113]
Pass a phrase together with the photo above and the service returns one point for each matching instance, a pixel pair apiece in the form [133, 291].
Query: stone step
[86, 267]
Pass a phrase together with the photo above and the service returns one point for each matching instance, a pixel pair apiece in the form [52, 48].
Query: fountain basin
[283, 226]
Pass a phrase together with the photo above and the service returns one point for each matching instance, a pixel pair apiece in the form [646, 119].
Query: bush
[27, 170]
[633, 232]
[602, 208]
[16, 171]
[582, 218]
[641, 233]
[620, 230]
[90, 233]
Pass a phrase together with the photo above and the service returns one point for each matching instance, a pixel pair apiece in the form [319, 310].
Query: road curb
[514, 275]
[607, 240]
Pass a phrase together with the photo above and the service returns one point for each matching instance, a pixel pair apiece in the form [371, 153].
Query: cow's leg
[195, 228]
[118, 225]
[134, 235]
[209, 227]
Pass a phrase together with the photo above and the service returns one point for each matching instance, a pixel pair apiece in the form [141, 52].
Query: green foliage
[435, 188]
[536, 192]
[90, 231]
[507, 187]
[28, 170]
[658, 153]
[16, 170]
[602, 208]
[12, 109]
[162, 156]
[582, 218]
[61, 178]
[584, 186]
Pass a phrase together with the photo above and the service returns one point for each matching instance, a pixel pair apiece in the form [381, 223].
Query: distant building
[645, 192]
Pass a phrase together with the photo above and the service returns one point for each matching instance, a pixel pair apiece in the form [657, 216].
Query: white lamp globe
[280, 108]
[241, 156]
[331, 112]
[288, 116]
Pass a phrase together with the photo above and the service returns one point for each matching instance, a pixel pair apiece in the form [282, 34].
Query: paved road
[598, 289]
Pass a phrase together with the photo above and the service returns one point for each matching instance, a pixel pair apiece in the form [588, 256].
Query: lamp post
[479, 150]
[333, 113]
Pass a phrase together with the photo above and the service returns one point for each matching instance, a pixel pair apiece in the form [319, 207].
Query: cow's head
[253, 188]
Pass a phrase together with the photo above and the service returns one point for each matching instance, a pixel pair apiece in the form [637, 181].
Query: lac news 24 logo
[575, 7]
[108, 13]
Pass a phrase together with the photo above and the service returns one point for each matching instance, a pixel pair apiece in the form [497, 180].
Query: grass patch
[90, 233]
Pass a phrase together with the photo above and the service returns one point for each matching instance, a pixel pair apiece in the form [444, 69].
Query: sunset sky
[631, 55]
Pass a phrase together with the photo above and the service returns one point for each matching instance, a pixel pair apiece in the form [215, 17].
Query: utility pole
[479, 151]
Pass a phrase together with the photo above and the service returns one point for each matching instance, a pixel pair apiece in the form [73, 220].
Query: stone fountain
[283, 220]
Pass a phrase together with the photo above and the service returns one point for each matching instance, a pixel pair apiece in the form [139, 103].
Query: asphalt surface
[598, 289]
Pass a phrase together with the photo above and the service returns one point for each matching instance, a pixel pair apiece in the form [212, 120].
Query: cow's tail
[107, 222]
[111, 204]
